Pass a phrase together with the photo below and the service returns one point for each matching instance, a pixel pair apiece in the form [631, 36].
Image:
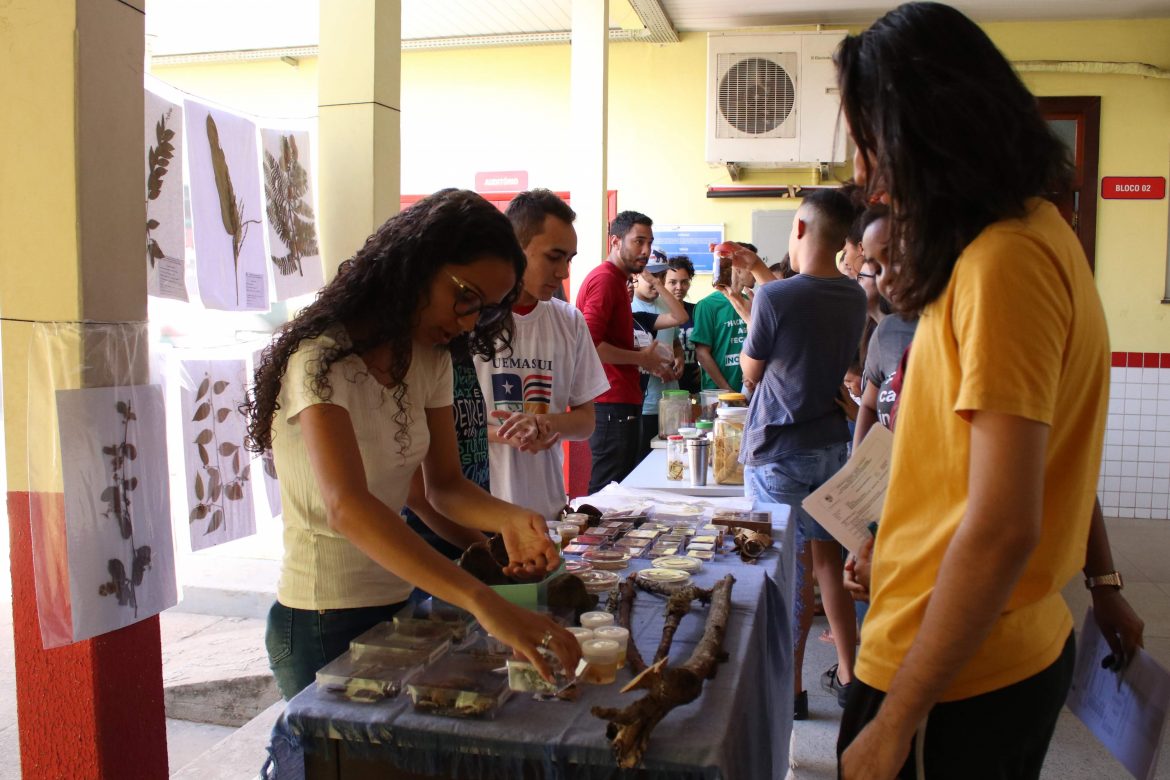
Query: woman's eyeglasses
[469, 301]
[864, 275]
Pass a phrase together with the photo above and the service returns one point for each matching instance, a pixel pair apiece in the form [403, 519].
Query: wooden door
[1077, 121]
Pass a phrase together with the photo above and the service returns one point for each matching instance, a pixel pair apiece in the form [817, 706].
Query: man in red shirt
[605, 302]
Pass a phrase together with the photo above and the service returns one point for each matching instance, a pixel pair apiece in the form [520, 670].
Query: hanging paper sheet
[100, 500]
[218, 468]
[289, 208]
[165, 250]
[226, 207]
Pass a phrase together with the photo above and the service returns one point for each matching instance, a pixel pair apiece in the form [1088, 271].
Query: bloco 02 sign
[1133, 187]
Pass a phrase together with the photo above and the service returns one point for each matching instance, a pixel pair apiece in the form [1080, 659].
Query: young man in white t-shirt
[540, 392]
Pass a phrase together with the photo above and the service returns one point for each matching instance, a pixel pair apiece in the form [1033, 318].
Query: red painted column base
[93, 709]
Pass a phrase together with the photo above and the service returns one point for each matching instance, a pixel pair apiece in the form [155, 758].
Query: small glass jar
[676, 458]
[728, 436]
[580, 519]
[601, 657]
[705, 427]
[732, 401]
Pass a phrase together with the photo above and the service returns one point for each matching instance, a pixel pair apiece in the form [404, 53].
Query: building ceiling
[188, 26]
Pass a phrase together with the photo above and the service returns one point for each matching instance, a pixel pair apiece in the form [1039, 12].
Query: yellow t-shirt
[1019, 330]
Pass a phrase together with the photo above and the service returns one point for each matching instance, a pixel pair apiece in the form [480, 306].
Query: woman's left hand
[531, 553]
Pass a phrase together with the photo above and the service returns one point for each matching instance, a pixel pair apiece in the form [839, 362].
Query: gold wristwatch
[1112, 578]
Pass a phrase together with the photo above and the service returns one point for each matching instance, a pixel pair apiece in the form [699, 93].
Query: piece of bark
[629, 728]
[633, 656]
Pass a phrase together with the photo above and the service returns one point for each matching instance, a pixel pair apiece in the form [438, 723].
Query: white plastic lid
[732, 411]
[600, 651]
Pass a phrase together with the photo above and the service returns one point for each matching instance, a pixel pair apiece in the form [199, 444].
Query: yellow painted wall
[38, 207]
[502, 109]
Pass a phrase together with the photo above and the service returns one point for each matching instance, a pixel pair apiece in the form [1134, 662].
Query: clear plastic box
[369, 679]
[460, 685]
[424, 643]
[458, 622]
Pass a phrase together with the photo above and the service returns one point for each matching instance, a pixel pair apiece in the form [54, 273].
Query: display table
[650, 474]
[737, 729]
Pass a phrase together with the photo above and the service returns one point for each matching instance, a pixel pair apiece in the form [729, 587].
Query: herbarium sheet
[117, 506]
[292, 221]
[226, 209]
[218, 467]
[165, 246]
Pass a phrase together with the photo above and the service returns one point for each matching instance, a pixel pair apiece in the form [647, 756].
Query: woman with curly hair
[967, 651]
[352, 397]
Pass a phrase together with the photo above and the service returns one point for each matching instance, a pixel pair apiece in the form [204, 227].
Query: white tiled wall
[1135, 467]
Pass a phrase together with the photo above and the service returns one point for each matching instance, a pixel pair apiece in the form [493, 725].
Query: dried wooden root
[658, 589]
[630, 727]
[633, 657]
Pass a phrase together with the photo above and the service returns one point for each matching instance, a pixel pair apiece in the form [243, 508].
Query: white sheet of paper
[232, 271]
[164, 212]
[219, 498]
[853, 497]
[117, 506]
[290, 213]
[1127, 714]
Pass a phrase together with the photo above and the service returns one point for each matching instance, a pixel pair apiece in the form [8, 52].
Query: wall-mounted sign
[501, 181]
[694, 241]
[1133, 187]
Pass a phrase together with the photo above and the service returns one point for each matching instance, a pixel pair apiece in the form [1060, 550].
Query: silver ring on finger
[545, 640]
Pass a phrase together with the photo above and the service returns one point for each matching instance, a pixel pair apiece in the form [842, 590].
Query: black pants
[648, 434]
[614, 443]
[1001, 735]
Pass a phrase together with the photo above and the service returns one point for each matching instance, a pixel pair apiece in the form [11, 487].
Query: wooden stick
[633, 656]
[630, 727]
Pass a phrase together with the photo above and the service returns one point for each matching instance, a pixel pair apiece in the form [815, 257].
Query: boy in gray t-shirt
[803, 335]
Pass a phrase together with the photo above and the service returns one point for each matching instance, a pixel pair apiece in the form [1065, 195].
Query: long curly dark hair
[377, 294]
[953, 136]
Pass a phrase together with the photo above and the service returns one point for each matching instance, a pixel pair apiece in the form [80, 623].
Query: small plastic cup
[579, 519]
[583, 634]
[568, 532]
[596, 620]
[619, 635]
[601, 659]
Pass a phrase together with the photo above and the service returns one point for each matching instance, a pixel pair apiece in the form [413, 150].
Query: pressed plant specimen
[117, 498]
[231, 212]
[223, 481]
[158, 160]
[286, 185]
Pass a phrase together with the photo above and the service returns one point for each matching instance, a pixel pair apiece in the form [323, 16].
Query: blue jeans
[789, 481]
[301, 641]
[792, 478]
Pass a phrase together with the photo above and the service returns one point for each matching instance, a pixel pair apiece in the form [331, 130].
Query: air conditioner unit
[772, 99]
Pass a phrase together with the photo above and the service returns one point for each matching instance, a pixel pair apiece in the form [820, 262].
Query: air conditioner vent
[772, 99]
[757, 95]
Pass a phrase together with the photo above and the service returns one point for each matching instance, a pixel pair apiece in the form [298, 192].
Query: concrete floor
[1141, 551]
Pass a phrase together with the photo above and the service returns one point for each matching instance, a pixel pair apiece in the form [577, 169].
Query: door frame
[1085, 110]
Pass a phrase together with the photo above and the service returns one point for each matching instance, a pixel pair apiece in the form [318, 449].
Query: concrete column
[358, 124]
[71, 248]
[589, 72]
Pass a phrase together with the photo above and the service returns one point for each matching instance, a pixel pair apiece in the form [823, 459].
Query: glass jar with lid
[728, 436]
[732, 400]
[674, 412]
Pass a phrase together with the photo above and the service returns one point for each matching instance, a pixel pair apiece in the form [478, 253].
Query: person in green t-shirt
[719, 332]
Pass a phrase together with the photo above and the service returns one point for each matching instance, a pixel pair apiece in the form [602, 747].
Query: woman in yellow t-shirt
[967, 650]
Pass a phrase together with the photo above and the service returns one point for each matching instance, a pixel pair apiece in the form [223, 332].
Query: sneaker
[832, 683]
[800, 706]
